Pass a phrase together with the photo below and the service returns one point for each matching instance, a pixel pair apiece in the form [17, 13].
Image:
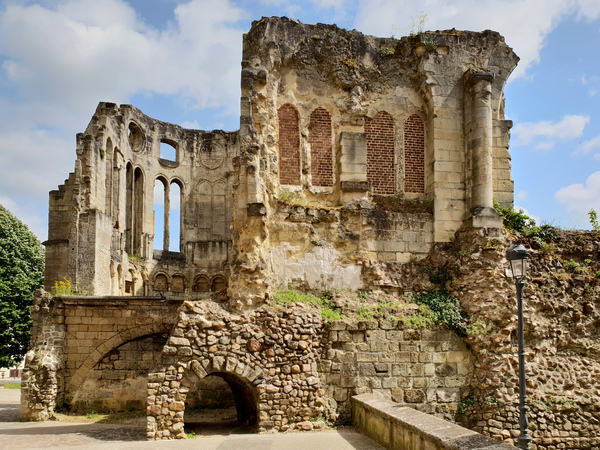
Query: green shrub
[521, 224]
[445, 309]
[570, 265]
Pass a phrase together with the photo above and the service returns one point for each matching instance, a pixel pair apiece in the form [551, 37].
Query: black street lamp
[517, 257]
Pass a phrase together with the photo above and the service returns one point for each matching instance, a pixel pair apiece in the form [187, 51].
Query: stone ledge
[395, 426]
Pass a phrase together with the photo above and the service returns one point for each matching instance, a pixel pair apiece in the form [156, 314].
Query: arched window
[178, 283]
[134, 211]
[108, 181]
[218, 284]
[414, 155]
[167, 215]
[380, 154]
[161, 283]
[321, 154]
[175, 217]
[201, 284]
[160, 198]
[289, 146]
[168, 150]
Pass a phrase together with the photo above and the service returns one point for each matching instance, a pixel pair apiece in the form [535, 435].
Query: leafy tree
[21, 273]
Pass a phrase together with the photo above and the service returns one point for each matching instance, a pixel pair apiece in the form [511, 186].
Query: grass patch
[383, 310]
[12, 386]
[328, 309]
[423, 318]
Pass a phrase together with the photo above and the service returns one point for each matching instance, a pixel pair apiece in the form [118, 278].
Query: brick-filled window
[289, 146]
[380, 154]
[414, 155]
[321, 153]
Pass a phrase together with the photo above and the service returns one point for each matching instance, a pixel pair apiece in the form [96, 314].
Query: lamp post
[517, 257]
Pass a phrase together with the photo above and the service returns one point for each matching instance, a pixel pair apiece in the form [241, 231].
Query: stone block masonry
[425, 369]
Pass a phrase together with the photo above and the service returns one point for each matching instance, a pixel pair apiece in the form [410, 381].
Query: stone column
[42, 380]
[479, 141]
[167, 217]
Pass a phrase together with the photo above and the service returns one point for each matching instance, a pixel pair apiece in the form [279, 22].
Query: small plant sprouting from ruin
[292, 198]
[478, 327]
[137, 257]
[328, 310]
[350, 63]
[429, 42]
[387, 50]
[594, 219]
[423, 318]
[466, 403]
[64, 287]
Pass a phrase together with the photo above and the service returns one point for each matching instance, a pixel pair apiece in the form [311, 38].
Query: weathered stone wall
[42, 377]
[86, 353]
[324, 249]
[561, 303]
[268, 357]
[405, 120]
[118, 381]
[102, 224]
[425, 369]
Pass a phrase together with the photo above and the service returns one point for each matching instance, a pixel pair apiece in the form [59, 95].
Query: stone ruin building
[332, 121]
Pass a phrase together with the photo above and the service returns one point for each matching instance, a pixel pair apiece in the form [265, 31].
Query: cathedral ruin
[332, 123]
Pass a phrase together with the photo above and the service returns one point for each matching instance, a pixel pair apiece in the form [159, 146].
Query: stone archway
[267, 356]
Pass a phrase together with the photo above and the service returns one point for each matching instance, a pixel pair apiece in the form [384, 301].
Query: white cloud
[33, 221]
[58, 59]
[90, 50]
[589, 145]
[524, 23]
[570, 127]
[579, 198]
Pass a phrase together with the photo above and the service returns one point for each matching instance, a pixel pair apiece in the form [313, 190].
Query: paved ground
[60, 435]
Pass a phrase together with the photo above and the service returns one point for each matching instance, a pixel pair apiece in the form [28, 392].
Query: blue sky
[179, 61]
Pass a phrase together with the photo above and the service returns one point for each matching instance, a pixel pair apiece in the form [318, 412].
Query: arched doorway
[220, 403]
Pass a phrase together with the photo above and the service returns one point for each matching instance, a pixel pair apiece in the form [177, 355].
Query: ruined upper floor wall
[402, 111]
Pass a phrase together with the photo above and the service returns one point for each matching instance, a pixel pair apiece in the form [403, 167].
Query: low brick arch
[414, 155]
[321, 147]
[178, 282]
[289, 145]
[381, 154]
[113, 342]
[161, 282]
[218, 283]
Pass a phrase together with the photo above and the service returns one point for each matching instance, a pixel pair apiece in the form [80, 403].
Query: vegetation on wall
[520, 224]
[328, 310]
[21, 273]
